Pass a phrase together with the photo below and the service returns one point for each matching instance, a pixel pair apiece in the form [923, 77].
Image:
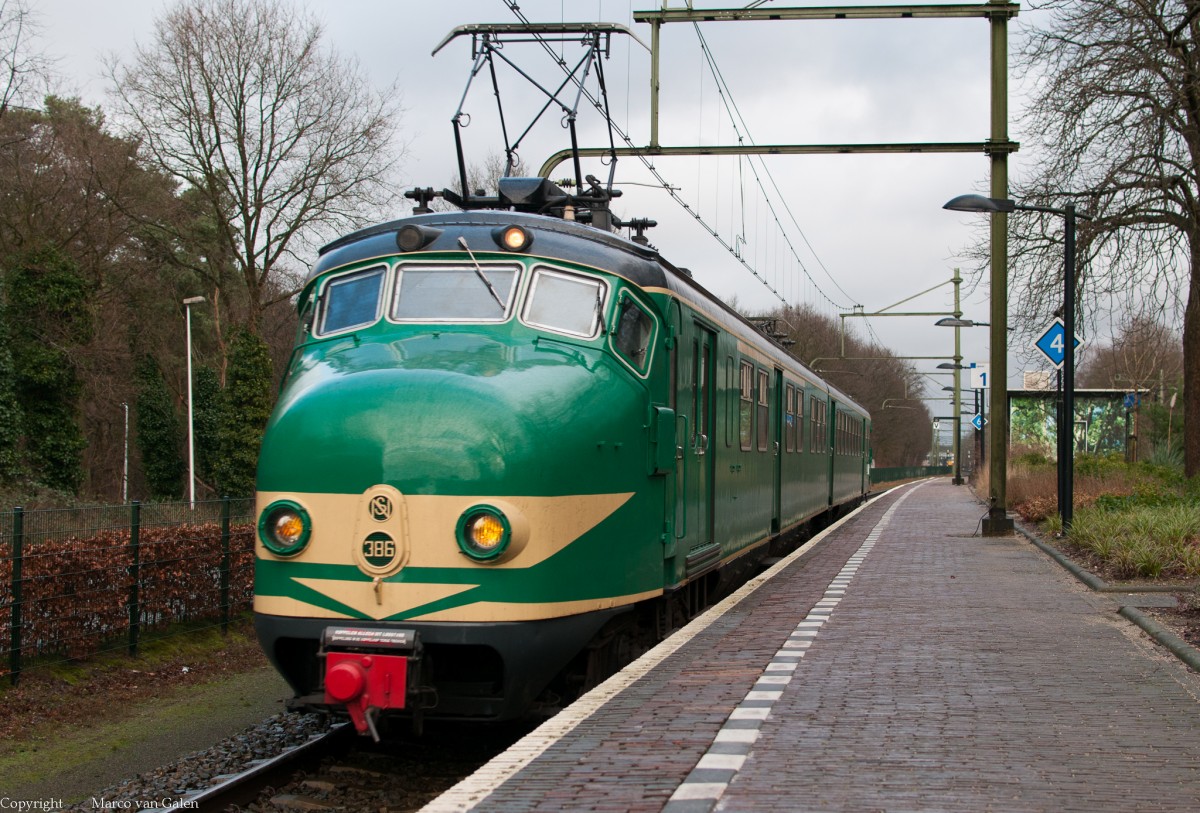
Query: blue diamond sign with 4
[1052, 343]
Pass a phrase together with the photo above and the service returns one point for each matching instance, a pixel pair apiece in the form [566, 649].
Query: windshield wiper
[462, 241]
[600, 310]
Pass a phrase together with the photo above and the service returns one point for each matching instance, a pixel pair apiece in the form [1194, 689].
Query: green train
[512, 450]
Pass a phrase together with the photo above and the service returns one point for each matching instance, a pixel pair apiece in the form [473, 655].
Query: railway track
[242, 788]
[339, 770]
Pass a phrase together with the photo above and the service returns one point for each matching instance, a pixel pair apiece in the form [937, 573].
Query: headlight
[483, 532]
[284, 527]
[512, 238]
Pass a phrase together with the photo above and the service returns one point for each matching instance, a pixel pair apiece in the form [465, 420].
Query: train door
[864, 483]
[676, 507]
[777, 446]
[830, 435]
[695, 400]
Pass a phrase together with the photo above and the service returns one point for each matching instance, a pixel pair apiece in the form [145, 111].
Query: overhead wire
[735, 117]
[649, 165]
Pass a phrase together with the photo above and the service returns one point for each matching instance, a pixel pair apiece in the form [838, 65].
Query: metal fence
[887, 475]
[74, 582]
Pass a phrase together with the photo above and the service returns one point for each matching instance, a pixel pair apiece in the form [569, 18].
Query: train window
[634, 335]
[800, 418]
[746, 406]
[764, 396]
[789, 435]
[454, 293]
[307, 314]
[812, 429]
[565, 303]
[819, 442]
[351, 300]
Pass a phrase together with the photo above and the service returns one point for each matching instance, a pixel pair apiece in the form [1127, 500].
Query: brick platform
[902, 664]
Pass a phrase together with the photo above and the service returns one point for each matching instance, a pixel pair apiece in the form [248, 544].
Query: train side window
[746, 406]
[800, 418]
[789, 435]
[351, 300]
[764, 400]
[634, 336]
[565, 303]
[307, 315]
[454, 293]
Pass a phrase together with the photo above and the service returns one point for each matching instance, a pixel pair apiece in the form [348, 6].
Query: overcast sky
[871, 228]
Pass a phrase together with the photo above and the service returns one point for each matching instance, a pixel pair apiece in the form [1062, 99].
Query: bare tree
[1116, 118]
[20, 65]
[483, 180]
[285, 142]
[901, 436]
[1143, 354]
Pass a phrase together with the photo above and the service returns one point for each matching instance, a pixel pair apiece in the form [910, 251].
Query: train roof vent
[529, 194]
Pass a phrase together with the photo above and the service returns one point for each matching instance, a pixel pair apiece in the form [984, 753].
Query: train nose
[421, 430]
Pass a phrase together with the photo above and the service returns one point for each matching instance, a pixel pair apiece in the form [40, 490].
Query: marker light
[483, 532]
[411, 237]
[284, 528]
[512, 238]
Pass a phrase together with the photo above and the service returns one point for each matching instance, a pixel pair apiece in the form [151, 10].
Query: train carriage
[510, 451]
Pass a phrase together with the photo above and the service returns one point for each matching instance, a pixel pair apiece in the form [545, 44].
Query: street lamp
[187, 306]
[1066, 439]
[950, 321]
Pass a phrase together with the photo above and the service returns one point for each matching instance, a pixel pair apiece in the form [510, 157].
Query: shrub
[1090, 465]
[1032, 460]
[75, 590]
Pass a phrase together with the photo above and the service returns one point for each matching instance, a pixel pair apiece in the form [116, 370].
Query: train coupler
[370, 670]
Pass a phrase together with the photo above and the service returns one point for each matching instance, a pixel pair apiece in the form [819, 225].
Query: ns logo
[380, 508]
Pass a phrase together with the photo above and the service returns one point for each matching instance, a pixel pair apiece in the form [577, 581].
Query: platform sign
[980, 376]
[978, 421]
[1052, 343]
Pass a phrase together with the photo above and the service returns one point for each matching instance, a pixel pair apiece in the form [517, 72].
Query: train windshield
[566, 303]
[454, 293]
[352, 301]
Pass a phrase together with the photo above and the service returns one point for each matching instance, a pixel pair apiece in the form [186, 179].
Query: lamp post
[1066, 428]
[957, 368]
[957, 322]
[187, 306]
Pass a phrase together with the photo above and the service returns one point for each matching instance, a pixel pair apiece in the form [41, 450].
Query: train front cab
[525, 617]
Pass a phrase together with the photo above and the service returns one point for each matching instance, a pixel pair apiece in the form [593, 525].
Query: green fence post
[18, 544]
[135, 610]
[225, 564]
